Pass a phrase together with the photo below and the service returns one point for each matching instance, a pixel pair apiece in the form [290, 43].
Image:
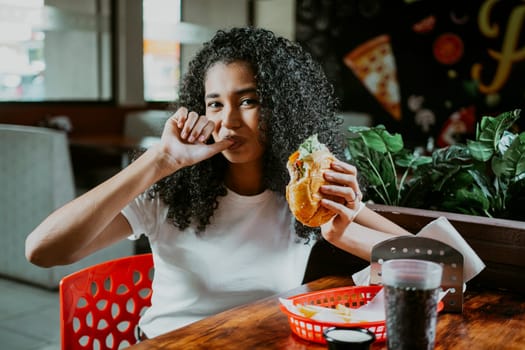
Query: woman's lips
[237, 142]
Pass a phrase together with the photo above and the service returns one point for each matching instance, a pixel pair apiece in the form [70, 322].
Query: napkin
[441, 230]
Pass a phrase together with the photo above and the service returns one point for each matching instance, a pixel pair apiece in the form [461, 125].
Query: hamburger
[306, 167]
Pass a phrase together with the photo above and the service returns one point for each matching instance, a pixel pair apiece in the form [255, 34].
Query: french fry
[307, 311]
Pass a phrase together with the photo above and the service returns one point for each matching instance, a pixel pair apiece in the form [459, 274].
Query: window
[55, 53]
[161, 49]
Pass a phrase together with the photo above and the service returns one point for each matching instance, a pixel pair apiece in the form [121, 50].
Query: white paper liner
[373, 311]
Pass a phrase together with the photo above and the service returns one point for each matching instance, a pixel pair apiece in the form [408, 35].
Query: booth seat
[36, 178]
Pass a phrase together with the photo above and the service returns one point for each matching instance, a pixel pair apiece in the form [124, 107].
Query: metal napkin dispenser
[412, 247]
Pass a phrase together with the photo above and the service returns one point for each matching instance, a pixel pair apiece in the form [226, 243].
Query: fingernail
[202, 138]
[191, 138]
[183, 134]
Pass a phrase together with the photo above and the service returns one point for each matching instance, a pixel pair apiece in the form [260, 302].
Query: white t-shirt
[248, 251]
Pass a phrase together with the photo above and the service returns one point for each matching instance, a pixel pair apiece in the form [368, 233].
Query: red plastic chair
[100, 305]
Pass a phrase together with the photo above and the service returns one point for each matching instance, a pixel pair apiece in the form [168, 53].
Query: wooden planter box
[499, 243]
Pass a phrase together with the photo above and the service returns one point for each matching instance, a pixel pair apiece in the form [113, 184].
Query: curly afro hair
[296, 101]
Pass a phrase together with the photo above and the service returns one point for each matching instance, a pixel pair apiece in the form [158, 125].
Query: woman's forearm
[367, 230]
[369, 218]
[79, 224]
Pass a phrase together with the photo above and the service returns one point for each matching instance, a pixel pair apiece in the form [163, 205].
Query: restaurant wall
[429, 69]
[213, 15]
[276, 15]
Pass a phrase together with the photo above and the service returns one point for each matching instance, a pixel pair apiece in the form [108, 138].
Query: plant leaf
[489, 133]
[506, 140]
[372, 152]
[481, 151]
[453, 155]
[411, 160]
[483, 182]
[378, 138]
[474, 196]
[512, 163]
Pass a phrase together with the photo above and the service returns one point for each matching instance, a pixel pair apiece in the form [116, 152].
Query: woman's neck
[244, 179]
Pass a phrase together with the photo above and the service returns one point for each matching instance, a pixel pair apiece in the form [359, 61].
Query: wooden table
[490, 320]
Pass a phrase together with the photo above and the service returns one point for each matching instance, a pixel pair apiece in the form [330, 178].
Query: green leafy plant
[485, 176]
[384, 162]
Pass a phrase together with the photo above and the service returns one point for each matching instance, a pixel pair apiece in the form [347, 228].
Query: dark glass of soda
[411, 295]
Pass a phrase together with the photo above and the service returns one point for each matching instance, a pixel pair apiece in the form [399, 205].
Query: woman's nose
[231, 118]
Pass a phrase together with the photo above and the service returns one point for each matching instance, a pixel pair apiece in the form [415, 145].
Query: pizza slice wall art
[374, 65]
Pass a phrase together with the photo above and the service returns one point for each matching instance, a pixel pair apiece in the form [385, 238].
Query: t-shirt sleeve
[144, 214]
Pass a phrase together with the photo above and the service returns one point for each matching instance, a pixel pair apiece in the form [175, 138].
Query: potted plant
[484, 177]
[478, 185]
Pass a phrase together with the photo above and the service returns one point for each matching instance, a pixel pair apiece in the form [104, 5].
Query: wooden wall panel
[87, 119]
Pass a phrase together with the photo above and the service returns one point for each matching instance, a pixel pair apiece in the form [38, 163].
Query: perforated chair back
[100, 305]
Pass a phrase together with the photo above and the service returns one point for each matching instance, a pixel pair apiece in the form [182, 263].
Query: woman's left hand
[343, 184]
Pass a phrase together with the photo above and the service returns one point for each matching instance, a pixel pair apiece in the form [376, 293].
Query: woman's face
[232, 103]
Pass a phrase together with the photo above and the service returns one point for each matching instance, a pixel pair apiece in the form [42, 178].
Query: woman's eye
[214, 104]
[250, 102]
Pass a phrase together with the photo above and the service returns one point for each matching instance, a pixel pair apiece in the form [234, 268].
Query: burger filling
[304, 159]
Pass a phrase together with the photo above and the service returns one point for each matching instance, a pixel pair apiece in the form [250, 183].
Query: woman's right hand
[183, 141]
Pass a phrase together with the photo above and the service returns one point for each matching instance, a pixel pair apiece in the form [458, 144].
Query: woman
[210, 194]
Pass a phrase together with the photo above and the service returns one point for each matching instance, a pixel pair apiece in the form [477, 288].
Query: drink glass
[411, 289]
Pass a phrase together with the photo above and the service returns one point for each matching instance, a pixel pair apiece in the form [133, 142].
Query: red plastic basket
[352, 297]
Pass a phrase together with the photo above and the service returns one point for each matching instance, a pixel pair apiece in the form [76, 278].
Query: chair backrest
[144, 125]
[100, 305]
[140, 124]
[36, 177]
